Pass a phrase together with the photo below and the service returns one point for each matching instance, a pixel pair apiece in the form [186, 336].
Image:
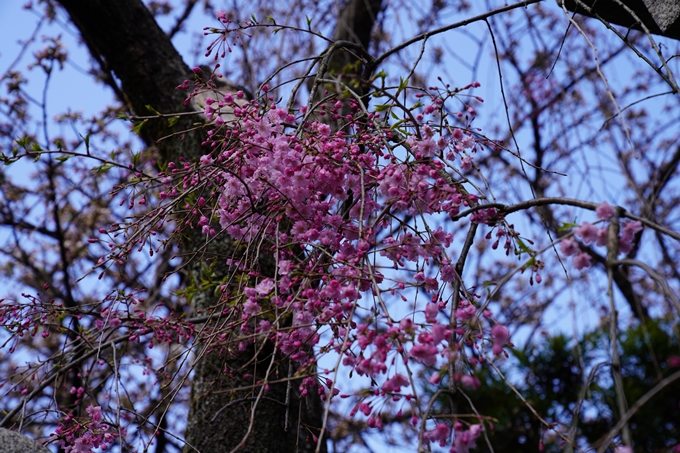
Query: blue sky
[73, 88]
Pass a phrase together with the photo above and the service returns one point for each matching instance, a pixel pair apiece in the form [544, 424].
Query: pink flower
[209, 112]
[605, 211]
[406, 325]
[448, 273]
[82, 445]
[395, 383]
[569, 247]
[602, 237]
[425, 354]
[251, 307]
[629, 231]
[264, 287]
[465, 313]
[587, 232]
[581, 261]
[425, 147]
[440, 333]
[95, 412]
[324, 130]
[284, 267]
[500, 335]
[465, 440]
[469, 381]
[265, 326]
[442, 237]
[440, 433]
[365, 408]
[206, 159]
[431, 312]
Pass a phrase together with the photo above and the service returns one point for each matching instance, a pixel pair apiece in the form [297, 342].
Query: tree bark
[125, 38]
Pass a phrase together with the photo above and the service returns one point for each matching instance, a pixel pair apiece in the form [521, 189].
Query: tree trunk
[125, 39]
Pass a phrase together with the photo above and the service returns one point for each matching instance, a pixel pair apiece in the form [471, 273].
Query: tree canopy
[336, 225]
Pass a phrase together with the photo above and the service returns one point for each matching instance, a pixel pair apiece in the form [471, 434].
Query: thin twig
[635, 407]
[453, 26]
[612, 253]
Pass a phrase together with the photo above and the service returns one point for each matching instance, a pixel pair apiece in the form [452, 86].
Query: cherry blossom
[587, 232]
[604, 211]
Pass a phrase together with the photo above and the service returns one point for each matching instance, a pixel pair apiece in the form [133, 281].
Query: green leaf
[103, 168]
[522, 246]
[403, 83]
[396, 125]
[86, 140]
[383, 107]
[135, 159]
[530, 263]
[309, 21]
[35, 146]
[138, 127]
[37, 157]
[23, 142]
[152, 110]
[63, 159]
[172, 121]
[567, 226]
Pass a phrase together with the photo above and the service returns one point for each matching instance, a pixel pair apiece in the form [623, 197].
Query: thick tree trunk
[124, 37]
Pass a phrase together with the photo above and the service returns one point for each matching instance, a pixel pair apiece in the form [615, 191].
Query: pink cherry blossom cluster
[327, 205]
[590, 234]
[349, 271]
[221, 44]
[464, 438]
[76, 436]
[29, 318]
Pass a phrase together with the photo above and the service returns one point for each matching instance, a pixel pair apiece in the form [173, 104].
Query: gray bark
[14, 442]
[661, 17]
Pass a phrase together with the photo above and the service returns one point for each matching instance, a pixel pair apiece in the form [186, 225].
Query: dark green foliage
[551, 375]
